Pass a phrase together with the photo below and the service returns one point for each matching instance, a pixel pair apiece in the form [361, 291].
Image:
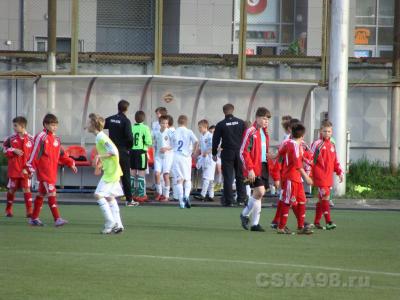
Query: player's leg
[38, 204]
[240, 186]
[318, 210]
[302, 227]
[26, 188]
[12, 188]
[275, 221]
[326, 210]
[105, 209]
[113, 204]
[166, 188]
[258, 193]
[124, 162]
[246, 212]
[141, 178]
[284, 212]
[157, 177]
[52, 202]
[187, 176]
[228, 172]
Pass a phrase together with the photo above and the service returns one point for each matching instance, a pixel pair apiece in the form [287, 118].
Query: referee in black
[120, 132]
[230, 130]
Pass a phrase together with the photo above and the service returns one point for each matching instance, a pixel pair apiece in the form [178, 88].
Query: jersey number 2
[180, 145]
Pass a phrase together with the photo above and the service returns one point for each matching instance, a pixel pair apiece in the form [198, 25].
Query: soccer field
[201, 253]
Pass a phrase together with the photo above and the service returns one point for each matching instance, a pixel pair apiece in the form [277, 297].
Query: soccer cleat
[142, 199]
[60, 222]
[330, 226]
[9, 215]
[163, 199]
[318, 226]
[200, 197]
[285, 230]
[257, 228]
[182, 205]
[35, 222]
[187, 203]
[245, 222]
[108, 230]
[117, 229]
[274, 225]
[131, 203]
[157, 197]
[309, 225]
[304, 230]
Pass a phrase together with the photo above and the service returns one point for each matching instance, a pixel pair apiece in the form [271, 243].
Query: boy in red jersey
[253, 152]
[17, 148]
[325, 163]
[293, 191]
[46, 154]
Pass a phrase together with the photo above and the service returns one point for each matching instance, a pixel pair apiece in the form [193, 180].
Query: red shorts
[19, 183]
[293, 192]
[46, 188]
[324, 192]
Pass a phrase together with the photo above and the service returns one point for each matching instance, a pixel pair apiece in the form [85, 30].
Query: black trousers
[232, 166]
[124, 162]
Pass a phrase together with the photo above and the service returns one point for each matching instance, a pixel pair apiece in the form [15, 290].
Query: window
[63, 44]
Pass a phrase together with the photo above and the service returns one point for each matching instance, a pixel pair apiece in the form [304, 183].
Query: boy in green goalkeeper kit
[138, 156]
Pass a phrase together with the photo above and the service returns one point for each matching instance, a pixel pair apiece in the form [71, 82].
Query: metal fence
[252, 39]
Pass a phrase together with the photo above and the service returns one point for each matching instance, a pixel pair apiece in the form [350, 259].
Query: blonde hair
[97, 121]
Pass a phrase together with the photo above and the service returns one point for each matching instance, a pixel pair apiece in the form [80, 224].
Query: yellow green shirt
[111, 168]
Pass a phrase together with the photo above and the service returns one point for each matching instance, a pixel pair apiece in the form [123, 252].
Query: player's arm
[66, 160]
[337, 168]
[245, 156]
[9, 151]
[216, 139]
[307, 178]
[148, 141]
[128, 133]
[38, 149]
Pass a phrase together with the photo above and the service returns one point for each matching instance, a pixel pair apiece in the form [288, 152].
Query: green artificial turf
[201, 253]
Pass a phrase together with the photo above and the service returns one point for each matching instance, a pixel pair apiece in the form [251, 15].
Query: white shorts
[208, 167]
[109, 189]
[163, 164]
[182, 168]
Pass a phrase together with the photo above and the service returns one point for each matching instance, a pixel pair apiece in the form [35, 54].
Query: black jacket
[120, 131]
[231, 131]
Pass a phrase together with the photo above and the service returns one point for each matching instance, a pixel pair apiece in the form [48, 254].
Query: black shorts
[138, 160]
[263, 179]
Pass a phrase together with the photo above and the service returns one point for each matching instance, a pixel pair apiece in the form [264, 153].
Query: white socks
[249, 207]
[256, 212]
[204, 187]
[248, 190]
[211, 189]
[159, 189]
[179, 193]
[166, 192]
[115, 212]
[187, 188]
[107, 213]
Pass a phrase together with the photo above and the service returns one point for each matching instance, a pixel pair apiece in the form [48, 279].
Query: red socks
[10, 200]
[28, 204]
[278, 212]
[53, 207]
[37, 207]
[300, 212]
[284, 215]
[326, 210]
[318, 212]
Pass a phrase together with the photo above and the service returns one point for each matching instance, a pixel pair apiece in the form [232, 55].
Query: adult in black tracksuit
[230, 130]
[120, 132]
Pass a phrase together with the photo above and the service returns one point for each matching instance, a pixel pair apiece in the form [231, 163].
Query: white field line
[206, 260]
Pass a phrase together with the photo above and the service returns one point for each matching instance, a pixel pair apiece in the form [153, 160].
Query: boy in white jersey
[218, 168]
[163, 159]
[109, 186]
[205, 162]
[155, 126]
[183, 142]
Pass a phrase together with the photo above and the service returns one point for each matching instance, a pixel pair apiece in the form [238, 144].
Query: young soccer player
[206, 162]
[141, 141]
[163, 159]
[184, 143]
[254, 148]
[18, 148]
[109, 186]
[218, 166]
[325, 164]
[155, 126]
[292, 172]
[46, 154]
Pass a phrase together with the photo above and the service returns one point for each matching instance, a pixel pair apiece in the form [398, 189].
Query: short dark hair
[182, 120]
[140, 116]
[50, 119]
[286, 122]
[123, 105]
[161, 110]
[293, 122]
[298, 130]
[263, 112]
[326, 123]
[20, 121]
[163, 118]
[170, 120]
[228, 109]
